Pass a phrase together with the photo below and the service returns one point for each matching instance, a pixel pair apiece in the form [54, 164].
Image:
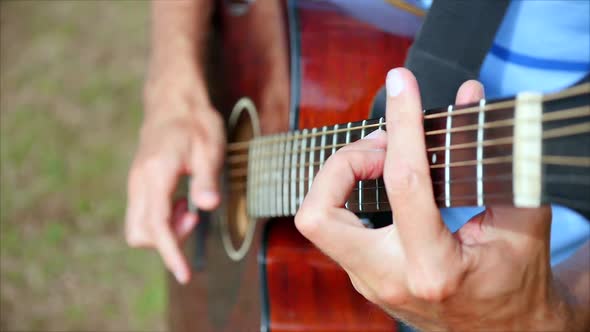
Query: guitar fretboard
[479, 154]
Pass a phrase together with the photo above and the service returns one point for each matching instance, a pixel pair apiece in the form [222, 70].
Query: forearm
[573, 275]
[178, 39]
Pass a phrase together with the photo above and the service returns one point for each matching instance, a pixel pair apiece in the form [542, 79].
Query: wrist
[175, 89]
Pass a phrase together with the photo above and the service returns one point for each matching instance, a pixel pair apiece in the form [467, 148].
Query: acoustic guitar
[253, 270]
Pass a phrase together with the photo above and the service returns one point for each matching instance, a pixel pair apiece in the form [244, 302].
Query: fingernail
[187, 223]
[394, 83]
[181, 276]
[374, 134]
[207, 198]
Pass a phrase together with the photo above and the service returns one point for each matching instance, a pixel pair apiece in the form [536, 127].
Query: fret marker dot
[434, 158]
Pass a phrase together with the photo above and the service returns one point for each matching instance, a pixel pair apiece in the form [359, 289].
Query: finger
[136, 233]
[168, 248]
[362, 159]
[161, 183]
[469, 92]
[322, 219]
[206, 161]
[183, 221]
[427, 243]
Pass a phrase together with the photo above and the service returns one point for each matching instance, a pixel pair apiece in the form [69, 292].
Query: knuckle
[364, 290]
[136, 240]
[307, 220]
[337, 160]
[401, 180]
[216, 121]
[153, 165]
[199, 137]
[432, 288]
[391, 294]
[135, 176]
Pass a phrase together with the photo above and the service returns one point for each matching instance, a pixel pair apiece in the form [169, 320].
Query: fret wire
[381, 122]
[263, 188]
[302, 168]
[257, 188]
[480, 133]
[334, 139]
[311, 170]
[249, 183]
[322, 146]
[257, 174]
[266, 207]
[347, 140]
[252, 192]
[276, 180]
[286, 180]
[448, 157]
[281, 183]
[265, 192]
[360, 198]
[294, 175]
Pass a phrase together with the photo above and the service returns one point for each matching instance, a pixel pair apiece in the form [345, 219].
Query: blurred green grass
[70, 108]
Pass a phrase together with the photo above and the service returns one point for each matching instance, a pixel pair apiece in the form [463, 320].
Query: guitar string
[489, 199]
[564, 179]
[553, 160]
[565, 114]
[241, 187]
[495, 195]
[241, 182]
[574, 112]
[550, 134]
[578, 180]
[576, 91]
[298, 135]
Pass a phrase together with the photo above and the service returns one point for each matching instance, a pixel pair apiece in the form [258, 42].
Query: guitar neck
[525, 151]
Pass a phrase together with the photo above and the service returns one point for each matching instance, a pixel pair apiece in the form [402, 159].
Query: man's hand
[494, 274]
[180, 135]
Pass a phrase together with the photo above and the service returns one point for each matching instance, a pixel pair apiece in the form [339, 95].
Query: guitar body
[323, 67]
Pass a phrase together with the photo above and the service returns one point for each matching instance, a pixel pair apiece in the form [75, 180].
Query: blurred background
[70, 106]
